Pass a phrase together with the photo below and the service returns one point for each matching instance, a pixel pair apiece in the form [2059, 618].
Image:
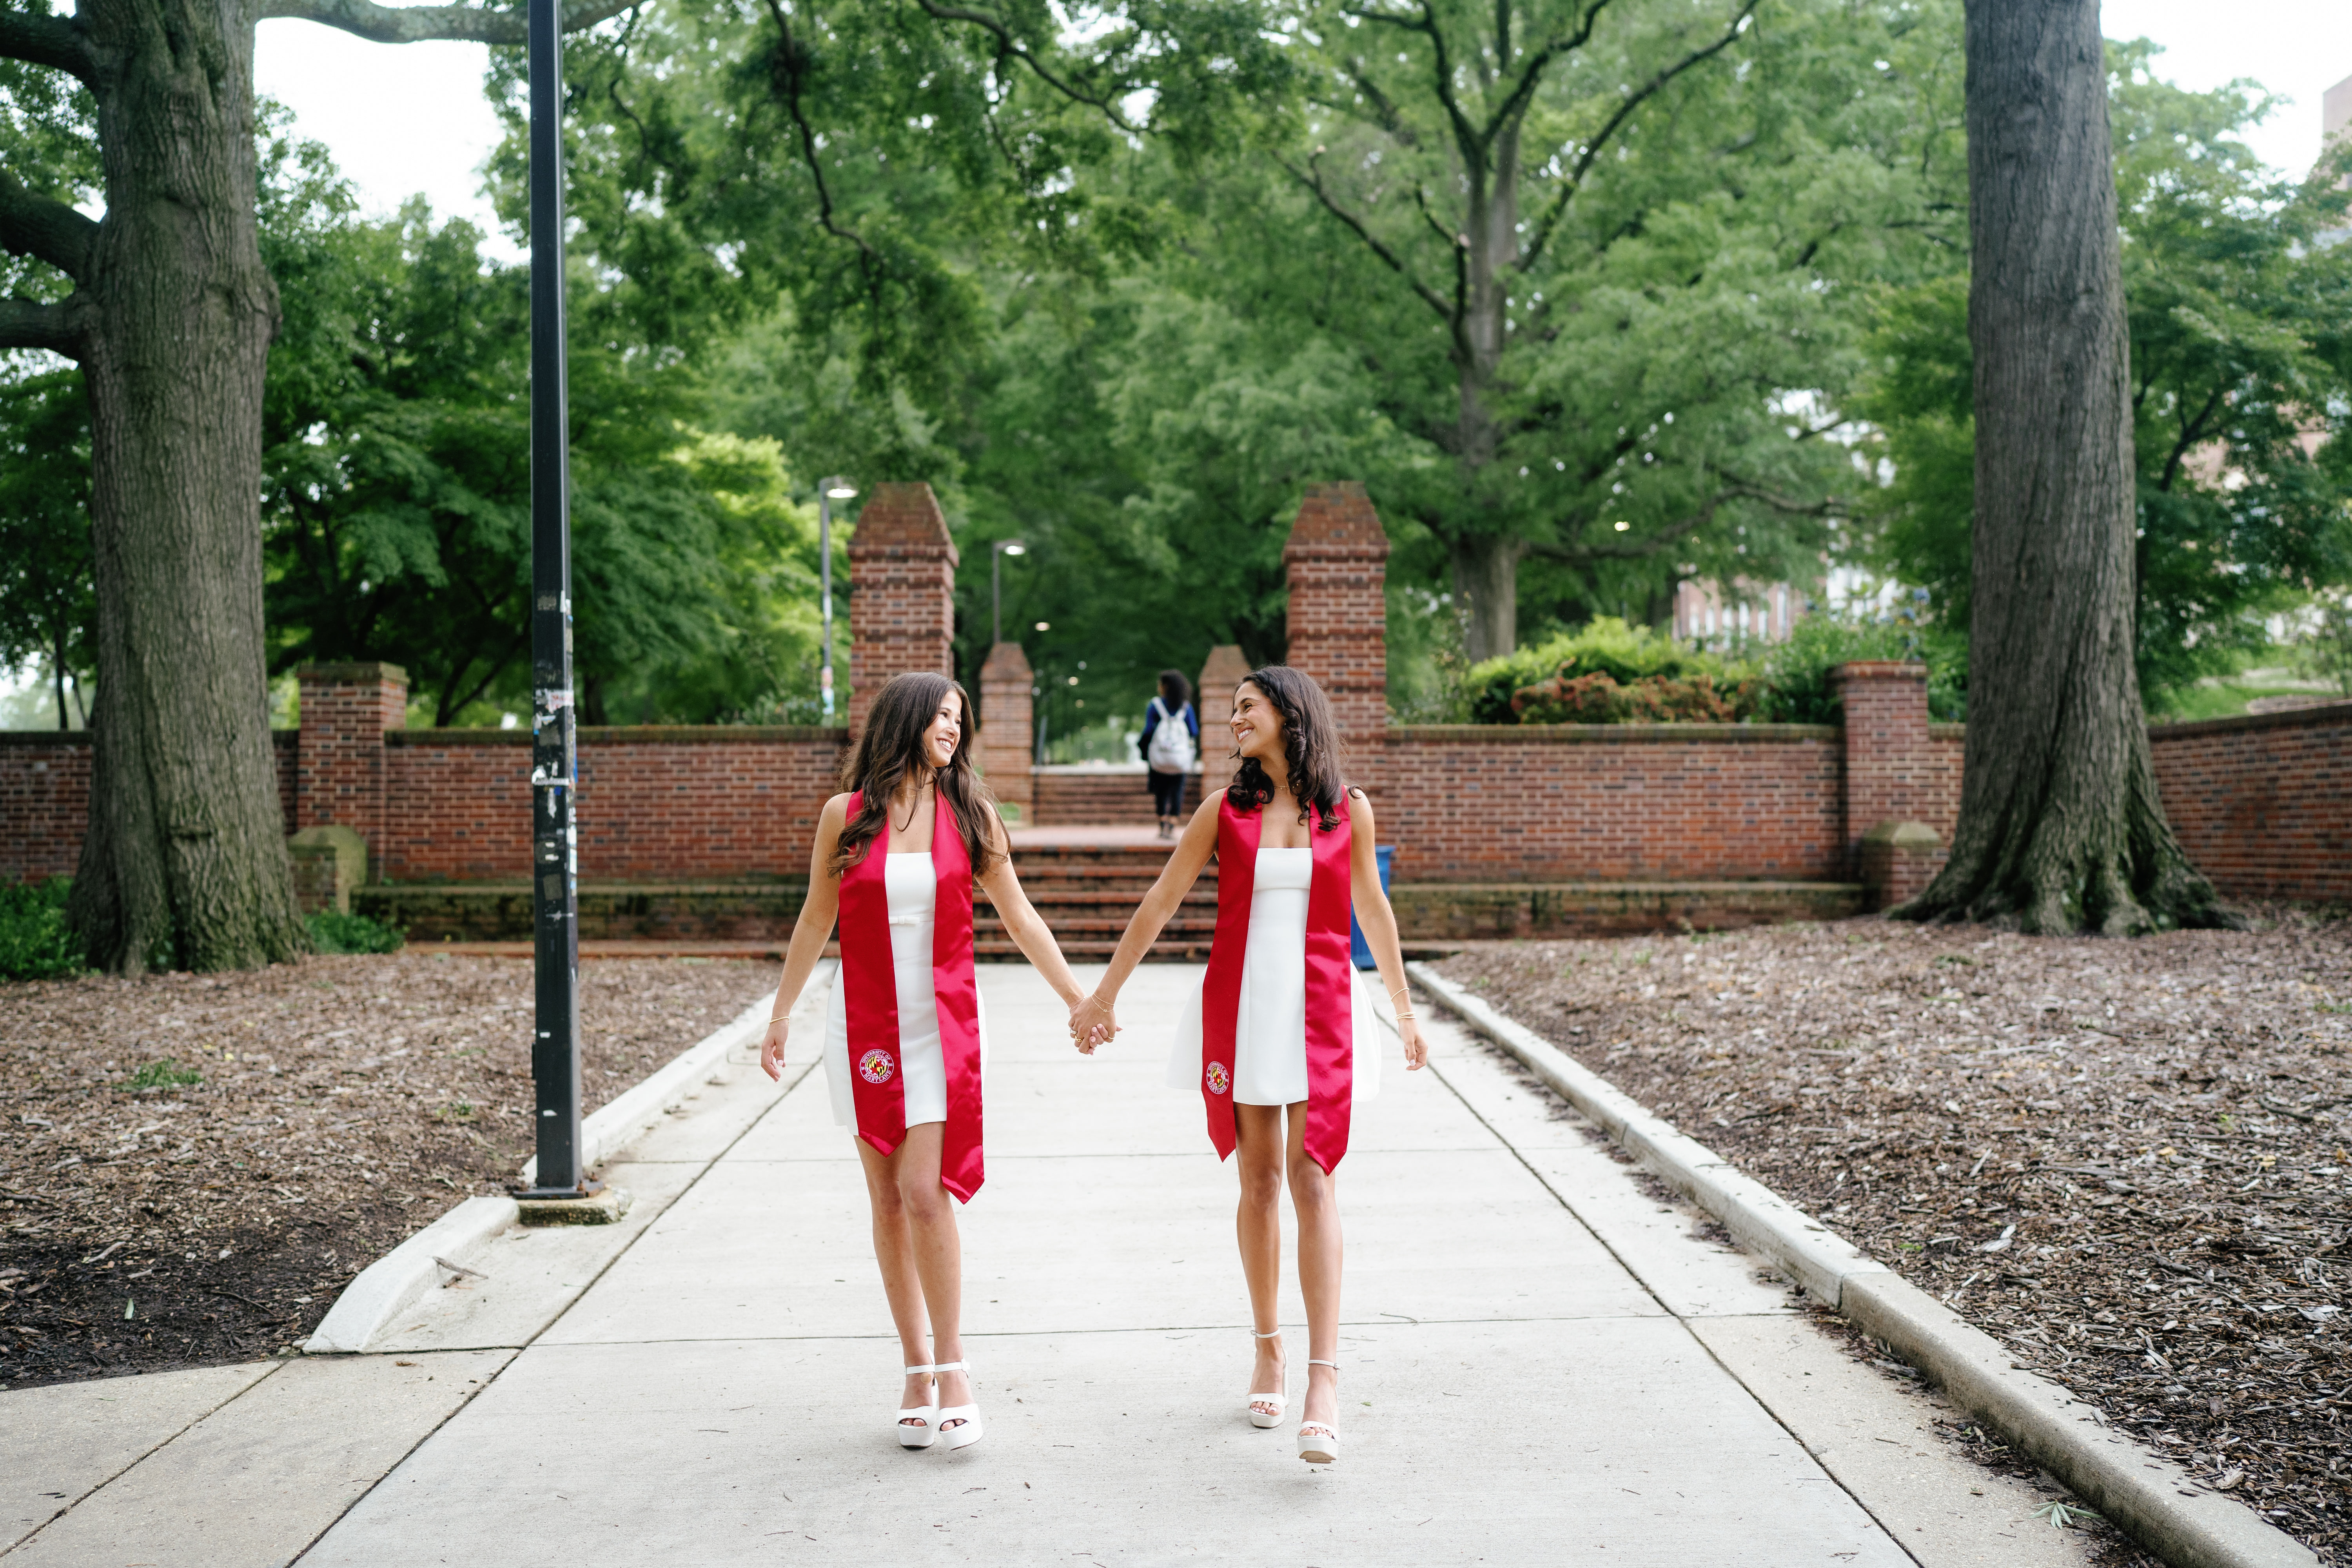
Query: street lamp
[555, 719]
[827, 492]
[996, 554]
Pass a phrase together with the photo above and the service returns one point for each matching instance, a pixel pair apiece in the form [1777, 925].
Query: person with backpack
[1171, 742]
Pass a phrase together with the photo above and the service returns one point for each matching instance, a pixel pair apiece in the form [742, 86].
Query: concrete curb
[396, 1280]
[639, 1108]
[2151, 1499]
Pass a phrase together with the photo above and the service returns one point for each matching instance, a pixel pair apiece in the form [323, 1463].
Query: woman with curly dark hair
[1282, 1026]
[906, 1041]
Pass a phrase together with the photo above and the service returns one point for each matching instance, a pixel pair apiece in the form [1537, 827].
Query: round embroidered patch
[877, 1066]
[1219, 1079]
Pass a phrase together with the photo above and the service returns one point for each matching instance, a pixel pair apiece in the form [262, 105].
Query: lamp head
[1012, 547]
[840, 489]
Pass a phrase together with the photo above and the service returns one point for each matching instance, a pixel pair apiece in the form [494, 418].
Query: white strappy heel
[1278, 1398]
[967, 1430]
[1318, 1441]
[919, 1428]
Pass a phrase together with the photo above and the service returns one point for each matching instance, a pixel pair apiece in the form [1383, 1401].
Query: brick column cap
[903, 519]
[367, 673]
[1337, 523]
[1007, 662]
[1878, 669]
[1224, 669]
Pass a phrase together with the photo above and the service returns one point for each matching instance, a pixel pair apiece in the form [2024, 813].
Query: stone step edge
[2151, 1499]
[384, 1288]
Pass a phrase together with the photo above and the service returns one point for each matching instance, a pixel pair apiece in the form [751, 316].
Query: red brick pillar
[1212, 699]
[339, 770]
[1889, 774]
[1336, 562]
[1004, 729]
[901, 592]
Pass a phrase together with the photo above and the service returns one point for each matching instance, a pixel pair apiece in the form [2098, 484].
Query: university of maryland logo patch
[877, 1066]
[1219, 1079]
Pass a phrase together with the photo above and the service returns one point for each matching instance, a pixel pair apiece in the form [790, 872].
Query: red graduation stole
[1330, 993]
[870, 1000]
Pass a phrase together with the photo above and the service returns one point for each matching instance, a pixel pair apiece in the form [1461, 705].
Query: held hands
[1091, 1024]
[771, 1048]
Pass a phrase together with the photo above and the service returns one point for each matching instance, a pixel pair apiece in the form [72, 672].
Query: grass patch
[165, 1073]
[334, 932]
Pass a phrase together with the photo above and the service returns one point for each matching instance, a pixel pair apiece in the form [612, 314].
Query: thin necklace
[914, 806]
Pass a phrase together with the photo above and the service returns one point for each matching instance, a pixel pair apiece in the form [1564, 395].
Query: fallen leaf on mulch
[194, 1165]
[2127, 1160]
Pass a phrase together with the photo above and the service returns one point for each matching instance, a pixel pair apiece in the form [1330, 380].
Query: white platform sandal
[1278, 1398]
[1318, 1441]
[967, 1429]
[919, 1428]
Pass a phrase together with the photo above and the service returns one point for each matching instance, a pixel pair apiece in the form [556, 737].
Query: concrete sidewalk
[1541, 1364]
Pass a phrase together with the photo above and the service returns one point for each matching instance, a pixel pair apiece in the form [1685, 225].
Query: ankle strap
[918, 1371]
[1319, 1361]
[1269, 1334]
[954, 1366]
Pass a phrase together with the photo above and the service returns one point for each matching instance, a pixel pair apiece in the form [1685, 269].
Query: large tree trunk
[186, 861]
[1486, 588]
[2060, 826]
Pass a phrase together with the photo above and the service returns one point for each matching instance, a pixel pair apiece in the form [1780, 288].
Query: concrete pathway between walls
[1543, 1364]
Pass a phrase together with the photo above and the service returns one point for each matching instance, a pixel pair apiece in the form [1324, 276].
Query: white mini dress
[1270, 1025]
[912, 888]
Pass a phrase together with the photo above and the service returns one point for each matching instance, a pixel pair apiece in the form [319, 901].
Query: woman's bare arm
[1379, 921]
[1023, 923]
[810, 932]
[1151, 917]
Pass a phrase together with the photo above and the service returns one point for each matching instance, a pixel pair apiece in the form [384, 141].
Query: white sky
[407, 118]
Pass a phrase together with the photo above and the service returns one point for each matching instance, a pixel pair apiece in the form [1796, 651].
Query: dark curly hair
[890, 748]
[1310, 743]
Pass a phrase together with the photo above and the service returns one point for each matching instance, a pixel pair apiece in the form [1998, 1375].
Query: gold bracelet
[1408, 1015]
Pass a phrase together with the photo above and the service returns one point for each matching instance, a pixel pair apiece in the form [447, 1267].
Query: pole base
[603, 1206]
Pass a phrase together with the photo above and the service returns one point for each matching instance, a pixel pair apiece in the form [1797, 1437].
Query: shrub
[1794, 684]
[1627, 654]
[332, 931]
[1598, 699]
[36, 943]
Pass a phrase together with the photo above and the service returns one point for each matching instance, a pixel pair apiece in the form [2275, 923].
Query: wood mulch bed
[2127, 1161]
[194, 1165]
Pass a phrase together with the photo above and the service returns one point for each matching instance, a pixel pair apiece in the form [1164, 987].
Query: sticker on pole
[877, 1066]
[1219, 1079]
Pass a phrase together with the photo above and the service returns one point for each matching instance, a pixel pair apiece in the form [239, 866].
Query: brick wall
[1611, 801]
[338, 776]
[902, 593]
[1886, 741]
[717, 803]
[1212, 699]
[45, 798]
[2263, 803]
[44, 802]
[1005, 728]
[1337, 563]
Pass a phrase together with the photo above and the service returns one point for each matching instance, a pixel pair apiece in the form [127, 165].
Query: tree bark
[1486, 586]
[184, 864]
[2060, 827]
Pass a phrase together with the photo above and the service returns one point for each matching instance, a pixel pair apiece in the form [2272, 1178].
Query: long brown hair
[891, 748]
[1310, 743]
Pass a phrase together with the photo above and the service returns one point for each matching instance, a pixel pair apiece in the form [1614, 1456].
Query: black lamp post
[996, 554]
[554, 751]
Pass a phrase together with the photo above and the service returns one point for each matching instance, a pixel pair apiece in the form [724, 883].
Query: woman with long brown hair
[1282, 1026]
[906, 1043]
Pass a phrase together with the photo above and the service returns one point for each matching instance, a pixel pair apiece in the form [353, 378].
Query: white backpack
[1171, 742]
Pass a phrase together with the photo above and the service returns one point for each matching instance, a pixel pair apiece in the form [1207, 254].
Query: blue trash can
[1356, 943]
